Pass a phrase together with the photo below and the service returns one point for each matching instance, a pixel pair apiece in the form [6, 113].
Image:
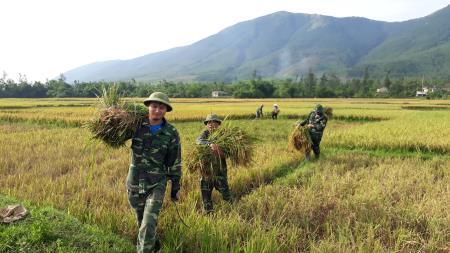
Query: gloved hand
[174, 195]
[175, 188]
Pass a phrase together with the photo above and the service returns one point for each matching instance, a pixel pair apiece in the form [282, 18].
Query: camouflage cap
[158, 97]
[212, 117]
[319, 108]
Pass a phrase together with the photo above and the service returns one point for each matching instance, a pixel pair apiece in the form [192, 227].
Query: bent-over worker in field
[155, 159]
[316, 123]
[259, 112]
[275, 111]
[218, 165]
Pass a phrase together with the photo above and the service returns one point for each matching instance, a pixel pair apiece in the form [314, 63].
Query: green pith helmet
[319, 108]
[158, 97]
[212, 117]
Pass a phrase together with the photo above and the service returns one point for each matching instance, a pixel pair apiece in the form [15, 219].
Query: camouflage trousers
[147, 200]
[207, 186]
[316, 138]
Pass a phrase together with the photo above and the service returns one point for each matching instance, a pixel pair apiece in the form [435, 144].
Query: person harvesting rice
[218, 166]
[155, 159]
[316, 123]
[275, 111]
[259, 112]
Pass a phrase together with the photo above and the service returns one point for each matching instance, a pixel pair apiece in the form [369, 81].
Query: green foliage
[310, 84]
[328, 86]
[59, 88]
[387, 81]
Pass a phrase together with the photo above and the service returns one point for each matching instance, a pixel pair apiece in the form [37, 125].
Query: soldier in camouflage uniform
[219, 178]
[316, 122]
[259, 112]
[155, 159]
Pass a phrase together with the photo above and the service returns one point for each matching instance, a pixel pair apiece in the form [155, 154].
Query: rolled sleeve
[203, 138]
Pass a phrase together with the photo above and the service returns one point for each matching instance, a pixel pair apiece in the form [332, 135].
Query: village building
[219, 93]
[382, 90]
[424, 92]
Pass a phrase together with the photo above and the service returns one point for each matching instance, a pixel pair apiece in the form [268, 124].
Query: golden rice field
[382, 184]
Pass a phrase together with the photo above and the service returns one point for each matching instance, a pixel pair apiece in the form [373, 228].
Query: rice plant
[354, 199]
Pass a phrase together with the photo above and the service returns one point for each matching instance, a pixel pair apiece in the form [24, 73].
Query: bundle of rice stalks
[235, 143]
[300, 140]
[199, 158]
[116, 121]
[114, 126]
[110, 97]
[328, 111]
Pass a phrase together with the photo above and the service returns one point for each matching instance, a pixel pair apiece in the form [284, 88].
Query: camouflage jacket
[155, 157]
[203, 138]
[259, 110]
[319, 122]
[219, 163]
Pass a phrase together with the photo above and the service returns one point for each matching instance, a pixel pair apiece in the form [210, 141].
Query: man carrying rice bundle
[155, 159]
[316, 123]
[218, 165]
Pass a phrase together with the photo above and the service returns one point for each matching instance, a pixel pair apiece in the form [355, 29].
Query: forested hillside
[288, 45]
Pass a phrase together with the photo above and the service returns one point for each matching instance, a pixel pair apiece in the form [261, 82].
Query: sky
[42, 38]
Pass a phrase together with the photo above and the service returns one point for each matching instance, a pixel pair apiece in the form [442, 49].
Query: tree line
[311, 85]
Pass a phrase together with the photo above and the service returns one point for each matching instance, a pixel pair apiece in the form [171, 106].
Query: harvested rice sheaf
[328, 111]
[115, 122]
[235, 143]
[300, 140]
[114, 126]
[199, 159]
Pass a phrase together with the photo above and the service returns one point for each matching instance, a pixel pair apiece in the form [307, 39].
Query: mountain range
[288, 45]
